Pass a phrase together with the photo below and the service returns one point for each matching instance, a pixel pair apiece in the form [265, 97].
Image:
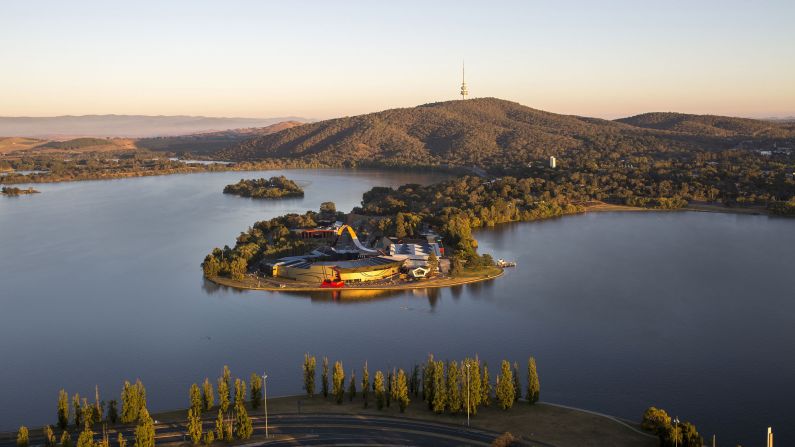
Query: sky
[323, 59]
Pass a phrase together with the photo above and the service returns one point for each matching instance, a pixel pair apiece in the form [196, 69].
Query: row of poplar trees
[86, 415]
[450, 387]
[229, 425]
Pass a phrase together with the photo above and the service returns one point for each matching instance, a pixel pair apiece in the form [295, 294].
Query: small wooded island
[272, 188]
[13, 191]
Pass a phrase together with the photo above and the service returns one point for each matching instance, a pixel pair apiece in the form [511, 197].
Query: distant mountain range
[494, 133]
[130, 126]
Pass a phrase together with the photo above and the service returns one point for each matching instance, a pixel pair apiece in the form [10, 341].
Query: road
[328, 429]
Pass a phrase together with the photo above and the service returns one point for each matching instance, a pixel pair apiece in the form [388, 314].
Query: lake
[100, 282]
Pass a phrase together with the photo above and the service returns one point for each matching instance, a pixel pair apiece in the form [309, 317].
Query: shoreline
[699, 207]
[547, 422]
[267, 284]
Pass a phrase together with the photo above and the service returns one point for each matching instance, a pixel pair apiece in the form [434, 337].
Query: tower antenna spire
[464, 91]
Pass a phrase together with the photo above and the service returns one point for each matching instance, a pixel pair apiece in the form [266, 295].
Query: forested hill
[711, 125]
[485, 132]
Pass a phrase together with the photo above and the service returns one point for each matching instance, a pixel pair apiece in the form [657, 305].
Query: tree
[86, 438]
[504, 440]
[66, 440]
[113, 412]
[414, 382]
[243, 426]
[352, 386]
[133, 400]
[63, 409]
[453, 388]
[690, 436]
[517, 386]
[195, 399]
[365, 384]
[145, 430]
[486, 390]
[77, 410]
[49, 436]
[23, 439]
[428, 381]
[208, 395]
[505, 386]
[656, 421]
[121, 441]
[227, 377]
[194, 425]
[256, 390]
[439, 390]
[328, 208]
[309, 374]
[219, 425]
[433, 264]
[324, 378]
[400, 226]
[87, 413]
[391, 380]
[378, 385]
[470, 385]
[338, 382]
[209, 437]
[223, 395]
[533, 384]
[402, 394]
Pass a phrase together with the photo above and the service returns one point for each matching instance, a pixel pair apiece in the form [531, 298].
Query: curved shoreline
[301, 287]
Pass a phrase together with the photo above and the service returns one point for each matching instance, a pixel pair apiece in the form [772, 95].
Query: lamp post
[676, 431]
[467, 394]
[265, 393]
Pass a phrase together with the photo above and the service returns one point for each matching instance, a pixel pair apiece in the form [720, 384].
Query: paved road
[330, 429]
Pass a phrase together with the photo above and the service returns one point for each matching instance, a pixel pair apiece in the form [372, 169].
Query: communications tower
[464, 91]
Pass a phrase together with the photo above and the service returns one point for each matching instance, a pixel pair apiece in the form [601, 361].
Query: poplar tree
[517, 384]
[77, 410]
[324, 378]
[533, 384]
[195, 399]
[309, 374]
[414, 382]
[145, 430]
[133, 400]
[23, 438]
[243, 426]
[392, 387]
[49, 436]
[87, 413]
[227, 376]
[195, 426]
[378, 386]
[453, 389]
[402, 394]
[470, 385]
[365, 385]
[121, 441]
[209, 438]
[223, 395]
[219, 425]
[428, 381]
[113, 412]
[505, 388]
[486, 389]
[439, 391]
[352, 386]
[338, 382]
[256, 390]
[66, 440]
[208, 395]
[63, 409]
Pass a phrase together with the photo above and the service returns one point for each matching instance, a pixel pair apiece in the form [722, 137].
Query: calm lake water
[692, 312]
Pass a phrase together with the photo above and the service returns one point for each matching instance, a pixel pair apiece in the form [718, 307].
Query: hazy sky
[322, 59]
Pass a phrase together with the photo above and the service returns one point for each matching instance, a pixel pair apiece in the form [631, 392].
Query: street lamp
[467, 394]
[265, 392]
[676, 431]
